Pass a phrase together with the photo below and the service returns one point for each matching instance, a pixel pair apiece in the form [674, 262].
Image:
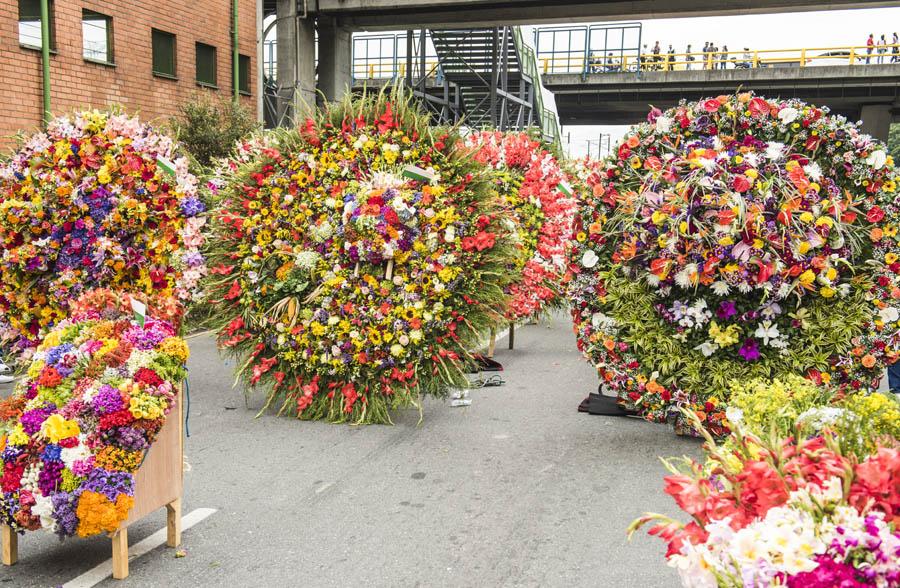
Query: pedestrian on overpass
[656, 57]
[724, 56]
[670, 58]
[881, 49]
[706, 55]
[895, 49]
[690, 58]
[870, 44]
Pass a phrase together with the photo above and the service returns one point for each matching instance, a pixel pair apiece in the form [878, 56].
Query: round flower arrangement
[76, 430]
[359, 258]
[530, 180]
[736, 238]
[98, 200]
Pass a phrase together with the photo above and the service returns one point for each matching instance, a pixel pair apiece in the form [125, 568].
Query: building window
[244, 74]
[97, 33]
[206, 65]
[163, 54]
[30, 24]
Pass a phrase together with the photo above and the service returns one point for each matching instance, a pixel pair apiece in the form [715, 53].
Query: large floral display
[733, 238]
[77, 428]
[98, 200]
[531, 183]
[811, 501]
[359, 258]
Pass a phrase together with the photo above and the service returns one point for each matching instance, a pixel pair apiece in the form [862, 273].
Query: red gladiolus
[234, 292]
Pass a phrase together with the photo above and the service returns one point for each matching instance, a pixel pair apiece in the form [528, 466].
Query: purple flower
[111, 484]
[49, 478]
[192, 206]
[33, 419]
[107, 400]
[65, 506]
[749, 350]
[828, 574]
[127, 438]
[727, 309]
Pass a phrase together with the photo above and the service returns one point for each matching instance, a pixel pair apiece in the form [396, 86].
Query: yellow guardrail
[805, 57]
[388, 68]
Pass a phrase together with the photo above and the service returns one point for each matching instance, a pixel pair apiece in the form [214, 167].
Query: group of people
[881, 48]
[710, 57]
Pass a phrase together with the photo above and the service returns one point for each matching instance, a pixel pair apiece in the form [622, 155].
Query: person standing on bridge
[656, 57]
[895, 49]
[690, 58]
[670, 58]
[870, 44]
[881, 49]
[724, 57]
[706, 62]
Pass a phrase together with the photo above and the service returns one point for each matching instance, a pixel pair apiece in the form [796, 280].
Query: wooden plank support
[173, 523]
[10, 541]
[492, 344]
[120, 553]
[512, 335]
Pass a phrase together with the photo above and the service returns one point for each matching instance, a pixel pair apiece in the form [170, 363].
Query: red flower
[877, 483]
[741, 183]
[711, 105]
[234, 292]
[759, 107]
[875, 214]
[148, 377]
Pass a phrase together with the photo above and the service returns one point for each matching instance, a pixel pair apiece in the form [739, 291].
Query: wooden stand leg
[173, 523]
[512, 335]
[492, 344]
[120, 554]
[10, 541]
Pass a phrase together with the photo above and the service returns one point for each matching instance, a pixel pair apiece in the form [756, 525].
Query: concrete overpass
[867, 92]
[397, 14]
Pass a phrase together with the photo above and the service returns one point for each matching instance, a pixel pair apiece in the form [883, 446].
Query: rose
[711, 105]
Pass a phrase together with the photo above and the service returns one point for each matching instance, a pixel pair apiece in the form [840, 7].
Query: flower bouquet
[358, 259]
[77, 428]
[770, 511]
[736, 238]
[530, 181]
[98, 200]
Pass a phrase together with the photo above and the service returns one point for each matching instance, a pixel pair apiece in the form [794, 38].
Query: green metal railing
[548, 122]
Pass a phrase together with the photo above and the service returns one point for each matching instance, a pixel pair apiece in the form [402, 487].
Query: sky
[824, 29]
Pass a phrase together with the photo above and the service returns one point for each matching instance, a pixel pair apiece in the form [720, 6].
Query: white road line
[96, 575]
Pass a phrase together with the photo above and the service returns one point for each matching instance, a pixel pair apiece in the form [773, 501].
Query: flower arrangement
[95, 397]
[736, 238]
[529, 180]
[97, 200]
[359, 258]
[770, 511]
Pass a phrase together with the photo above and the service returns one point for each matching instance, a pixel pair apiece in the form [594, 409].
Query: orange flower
[868, 360]
[97, 514]
[876, 234]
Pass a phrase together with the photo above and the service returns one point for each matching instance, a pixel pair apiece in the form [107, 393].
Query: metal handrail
[548, 123]
[854, 55]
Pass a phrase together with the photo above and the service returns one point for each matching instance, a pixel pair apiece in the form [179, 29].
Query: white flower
[889, 314]
[767, 331]
[787, 115]
[663, 124]
[775, 150]
[43, 507]
[734, 415]
[877, 159]
[687, 277]
[450, 234]
[721, 288]
[707, 348]
[813, 170]
[589, 259]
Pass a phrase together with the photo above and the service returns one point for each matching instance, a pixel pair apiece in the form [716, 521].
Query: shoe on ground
[6, 379]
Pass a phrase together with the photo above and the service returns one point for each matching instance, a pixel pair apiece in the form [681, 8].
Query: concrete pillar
[296, 62]
[335, 55]
[876, 120]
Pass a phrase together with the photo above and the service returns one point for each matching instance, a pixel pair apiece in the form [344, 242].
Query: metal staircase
[497, 77]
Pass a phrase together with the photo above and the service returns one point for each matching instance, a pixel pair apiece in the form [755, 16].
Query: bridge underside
[610, 99]
[393, 14]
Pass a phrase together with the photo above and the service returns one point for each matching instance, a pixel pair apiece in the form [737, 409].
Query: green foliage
[208, 127]
[893, 142]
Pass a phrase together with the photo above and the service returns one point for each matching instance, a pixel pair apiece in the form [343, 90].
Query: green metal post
[235, 56]
[45, 57]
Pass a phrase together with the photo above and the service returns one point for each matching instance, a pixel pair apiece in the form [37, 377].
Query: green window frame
[206, 65]
[244, 74]
[30, 24]
[164, 62]
[97, 37]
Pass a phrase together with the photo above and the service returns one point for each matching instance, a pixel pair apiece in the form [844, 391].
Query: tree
[209, 128]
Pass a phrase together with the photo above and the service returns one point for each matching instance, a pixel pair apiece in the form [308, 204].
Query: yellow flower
[724, 337]
[17, 436]
[803, 247]
[807, 278]
[806, 217]
[56, 428]
[176, 347]
[658, 217]
[826, 292]
[890, 258]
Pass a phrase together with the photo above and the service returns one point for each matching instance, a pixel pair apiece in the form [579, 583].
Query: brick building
[147, 56]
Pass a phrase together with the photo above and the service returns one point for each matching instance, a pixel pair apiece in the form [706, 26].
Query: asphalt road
[517, 489]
